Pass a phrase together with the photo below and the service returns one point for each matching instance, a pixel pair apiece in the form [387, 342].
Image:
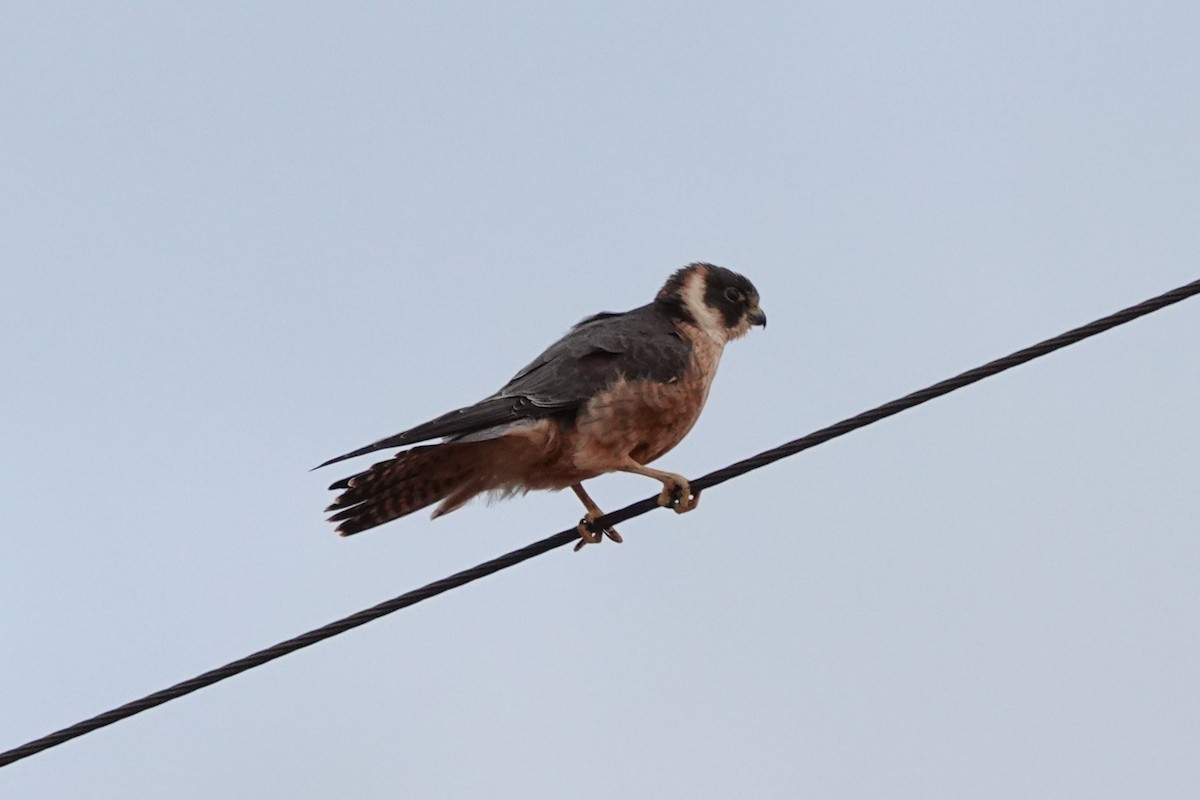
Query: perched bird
[614, 394]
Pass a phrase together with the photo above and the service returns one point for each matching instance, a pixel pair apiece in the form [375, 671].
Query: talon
[666, 498]
[586, 534]
[677, 495]
[589, 536]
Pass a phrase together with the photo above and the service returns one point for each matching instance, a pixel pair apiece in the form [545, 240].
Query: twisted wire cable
[572, 534]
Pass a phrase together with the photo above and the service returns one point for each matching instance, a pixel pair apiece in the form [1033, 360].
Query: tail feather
[408, 482]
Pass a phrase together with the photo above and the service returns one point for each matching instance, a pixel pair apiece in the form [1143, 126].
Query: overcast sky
[238, 239]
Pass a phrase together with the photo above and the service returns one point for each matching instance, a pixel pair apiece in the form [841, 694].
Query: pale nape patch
[708, 319]
[710, 325]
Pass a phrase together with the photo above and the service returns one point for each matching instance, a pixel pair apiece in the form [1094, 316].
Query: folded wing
[639, 344]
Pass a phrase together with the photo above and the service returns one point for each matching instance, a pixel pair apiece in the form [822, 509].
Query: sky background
[237, 239]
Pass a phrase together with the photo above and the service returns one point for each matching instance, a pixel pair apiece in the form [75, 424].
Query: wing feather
[485, 414]
[641, 344]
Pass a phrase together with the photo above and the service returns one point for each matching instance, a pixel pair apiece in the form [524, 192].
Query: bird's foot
[589, 536]
[677, 494]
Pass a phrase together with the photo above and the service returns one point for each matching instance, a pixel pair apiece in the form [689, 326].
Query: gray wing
[638, 344]
[485, 414]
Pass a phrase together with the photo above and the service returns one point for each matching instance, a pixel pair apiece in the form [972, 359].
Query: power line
[567, 536]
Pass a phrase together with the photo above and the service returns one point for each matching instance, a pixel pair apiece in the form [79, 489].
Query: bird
[614, 394]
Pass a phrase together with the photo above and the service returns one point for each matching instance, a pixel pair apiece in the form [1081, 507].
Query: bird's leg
[673, 485]
[586, 534]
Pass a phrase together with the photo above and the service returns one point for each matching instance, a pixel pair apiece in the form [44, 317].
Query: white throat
[707, 319]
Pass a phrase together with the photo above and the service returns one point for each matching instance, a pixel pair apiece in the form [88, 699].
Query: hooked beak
[757, 317]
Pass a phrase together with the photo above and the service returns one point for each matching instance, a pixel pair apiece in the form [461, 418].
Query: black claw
[589, 524]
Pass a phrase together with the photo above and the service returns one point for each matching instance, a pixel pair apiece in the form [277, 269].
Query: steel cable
[570, 535]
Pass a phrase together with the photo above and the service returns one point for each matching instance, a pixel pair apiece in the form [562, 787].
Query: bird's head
[719, 301]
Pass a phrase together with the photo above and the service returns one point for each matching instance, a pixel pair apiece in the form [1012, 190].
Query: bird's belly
[638, 419]
[641, 420]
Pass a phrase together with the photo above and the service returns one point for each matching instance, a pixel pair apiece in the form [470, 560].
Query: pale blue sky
[238, 239]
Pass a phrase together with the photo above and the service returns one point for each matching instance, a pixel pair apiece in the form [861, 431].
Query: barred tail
[408, 482]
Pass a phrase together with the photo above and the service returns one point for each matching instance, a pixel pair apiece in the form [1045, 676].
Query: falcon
[614, 394]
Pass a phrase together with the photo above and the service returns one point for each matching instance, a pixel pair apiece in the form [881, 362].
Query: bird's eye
[733, 294]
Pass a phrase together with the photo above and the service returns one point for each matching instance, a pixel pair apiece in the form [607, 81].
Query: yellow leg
[672, 484]
[586, 534]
